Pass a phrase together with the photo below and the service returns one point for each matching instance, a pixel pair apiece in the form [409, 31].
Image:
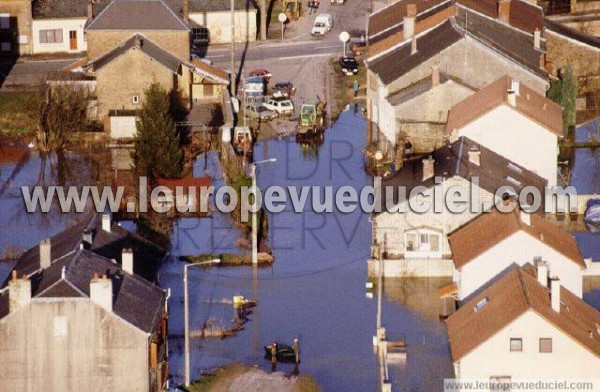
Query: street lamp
[344, 37]
[282, 18]
[254, 216]
[186, 315]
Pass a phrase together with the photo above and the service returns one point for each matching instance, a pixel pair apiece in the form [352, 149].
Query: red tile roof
[515, 293]
[211, 71]
[529, 103]
[490, 229]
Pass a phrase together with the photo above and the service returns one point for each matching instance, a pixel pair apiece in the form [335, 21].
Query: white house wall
[569, 359]
[517, 138]
[219, 25]
[520, 248]
[66, 25]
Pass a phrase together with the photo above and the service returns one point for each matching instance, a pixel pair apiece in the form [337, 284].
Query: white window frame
[57, 36]
[423, 246]
[135, 99]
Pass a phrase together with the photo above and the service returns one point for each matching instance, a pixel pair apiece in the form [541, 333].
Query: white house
[520, 329]
[414, 243]
[495, 242]
[57, 26]
[513, 120]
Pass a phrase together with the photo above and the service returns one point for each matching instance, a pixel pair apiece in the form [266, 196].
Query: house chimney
[542, 273]
[428, 168]
[90, 10]
[537, 38]
[19, 292]
[525, 217]
[555, 294]
[413, 45]
[106, 222]
[127, 260]
[435, 75]
[101, 292]
[504, 11]
[475, 157]
[87, 238]
[409, 21]
[186, 10]
[45, 253]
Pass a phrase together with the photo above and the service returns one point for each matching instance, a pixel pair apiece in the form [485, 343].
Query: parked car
[283, 89]
[259, 112]
[283, 107]
[322, 25]
[349, 65]
[261, 72]
[337, 1]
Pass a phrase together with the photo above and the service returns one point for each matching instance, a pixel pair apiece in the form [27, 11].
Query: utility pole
[186, 316]
[232, 76]
[379, 289]
[254, 214]
[263, 20]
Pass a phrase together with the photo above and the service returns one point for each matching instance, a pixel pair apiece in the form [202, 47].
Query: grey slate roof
[138, 15]
[507, 41]
[136, 300]
[514, 44]
[147, 255]
[398, 62]
[453, 160]
[56, 9]
[212, 5]
[139, 42]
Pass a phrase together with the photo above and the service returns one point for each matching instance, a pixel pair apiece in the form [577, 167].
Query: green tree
[564, 92]
[157, 150]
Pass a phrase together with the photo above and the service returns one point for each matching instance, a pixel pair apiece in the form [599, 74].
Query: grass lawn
[18, 113]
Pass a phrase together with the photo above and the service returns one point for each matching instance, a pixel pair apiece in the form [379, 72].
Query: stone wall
[218, 25]
[131, 75]
[424, 136]
[583, 59]
[19, 34]
[100, 42]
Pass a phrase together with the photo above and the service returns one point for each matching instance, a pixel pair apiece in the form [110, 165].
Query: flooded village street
[315, 290]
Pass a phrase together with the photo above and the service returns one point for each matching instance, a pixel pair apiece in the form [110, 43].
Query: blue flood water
[316, 289]
[585, 174]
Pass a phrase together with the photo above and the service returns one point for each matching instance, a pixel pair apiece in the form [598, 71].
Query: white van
[323, 24]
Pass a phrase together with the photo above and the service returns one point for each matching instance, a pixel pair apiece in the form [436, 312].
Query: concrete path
[256, 380]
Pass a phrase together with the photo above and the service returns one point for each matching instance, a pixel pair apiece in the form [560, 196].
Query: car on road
[283, 89]
[283, 107]
[322, 25]
[349, 65]
[259, 112]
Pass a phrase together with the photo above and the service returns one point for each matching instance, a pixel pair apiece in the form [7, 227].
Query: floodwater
[585, 173]
[315, 291]
[19, 166]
